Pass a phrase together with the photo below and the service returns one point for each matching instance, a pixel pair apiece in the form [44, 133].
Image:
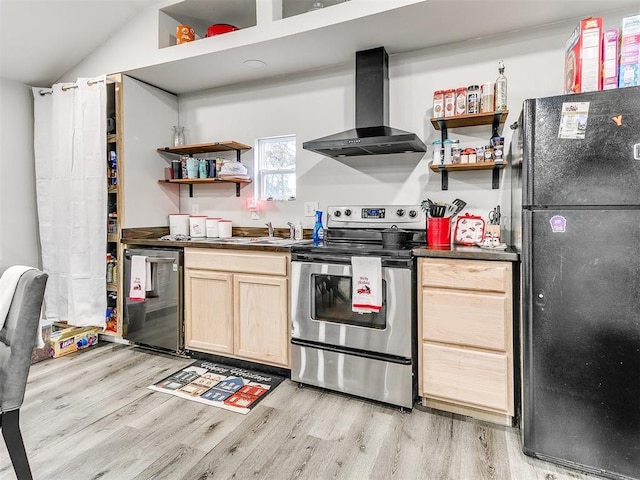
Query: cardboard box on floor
[67, 338]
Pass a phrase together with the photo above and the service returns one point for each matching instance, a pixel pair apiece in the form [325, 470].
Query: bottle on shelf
[109, 268]
[177, 139]
[318, 229]
[501, 89]
[113, 168]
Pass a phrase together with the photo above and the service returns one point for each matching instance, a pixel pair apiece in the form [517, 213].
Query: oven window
[332, 303]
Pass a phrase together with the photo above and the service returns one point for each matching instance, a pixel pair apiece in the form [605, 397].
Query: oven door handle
[352, 351]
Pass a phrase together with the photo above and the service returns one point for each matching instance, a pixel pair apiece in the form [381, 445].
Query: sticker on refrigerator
[558, 224]
[573, 122]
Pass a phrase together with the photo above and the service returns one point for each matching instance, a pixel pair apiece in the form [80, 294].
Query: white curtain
[71, 187]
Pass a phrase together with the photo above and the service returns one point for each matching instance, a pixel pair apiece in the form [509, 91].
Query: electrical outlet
[195, 209]
[310, 209]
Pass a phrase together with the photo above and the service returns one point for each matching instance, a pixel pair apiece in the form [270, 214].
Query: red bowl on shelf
[218, 28]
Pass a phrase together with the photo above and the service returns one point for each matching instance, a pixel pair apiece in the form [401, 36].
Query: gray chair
[17, 339]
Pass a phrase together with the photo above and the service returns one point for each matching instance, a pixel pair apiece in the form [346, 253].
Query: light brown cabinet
[237, 304]
[466, 337]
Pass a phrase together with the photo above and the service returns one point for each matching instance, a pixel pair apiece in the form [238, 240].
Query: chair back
[18, 337]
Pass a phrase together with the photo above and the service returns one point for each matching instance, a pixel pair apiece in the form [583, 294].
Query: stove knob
[400, 212]
[347, 212]
[337, 213]
[413, 213]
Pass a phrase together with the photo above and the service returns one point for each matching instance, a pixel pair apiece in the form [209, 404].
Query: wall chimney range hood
[371, 136]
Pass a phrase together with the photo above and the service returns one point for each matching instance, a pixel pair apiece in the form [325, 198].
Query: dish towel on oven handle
[139, 276]
[366, 295]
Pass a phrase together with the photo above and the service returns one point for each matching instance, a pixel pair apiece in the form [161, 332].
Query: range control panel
[376, 216]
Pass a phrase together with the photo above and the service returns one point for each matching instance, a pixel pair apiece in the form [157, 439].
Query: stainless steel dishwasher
[157, 320]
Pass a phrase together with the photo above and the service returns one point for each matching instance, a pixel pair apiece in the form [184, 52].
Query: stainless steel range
[372, 355]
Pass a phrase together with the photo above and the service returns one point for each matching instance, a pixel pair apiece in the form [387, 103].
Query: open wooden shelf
[468, 166]
[200, 148]
[458, 167]
[470, 120]
[198, 181]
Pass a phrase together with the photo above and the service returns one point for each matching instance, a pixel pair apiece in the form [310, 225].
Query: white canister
[212, 227]
[179, 224]
[224, 228]
[197, 225]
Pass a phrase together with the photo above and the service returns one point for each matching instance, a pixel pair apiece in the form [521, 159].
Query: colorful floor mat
[222, 386]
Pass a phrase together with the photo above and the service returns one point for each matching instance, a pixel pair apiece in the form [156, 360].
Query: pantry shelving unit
[495, 119]
[205, 148]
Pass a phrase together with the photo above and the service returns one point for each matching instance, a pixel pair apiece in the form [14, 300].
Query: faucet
[292, 231]
[270, 227]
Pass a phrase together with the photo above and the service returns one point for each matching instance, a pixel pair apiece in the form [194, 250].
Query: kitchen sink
[251, 241]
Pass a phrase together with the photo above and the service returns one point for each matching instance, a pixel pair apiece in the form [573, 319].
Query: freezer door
[601, 169]
[581, 338]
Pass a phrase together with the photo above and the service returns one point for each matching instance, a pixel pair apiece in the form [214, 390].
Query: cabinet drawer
[466, 274]
[468, 376]
[477, 319]
[237, 261]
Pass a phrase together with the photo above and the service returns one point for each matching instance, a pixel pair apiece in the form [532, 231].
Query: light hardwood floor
[90, 415]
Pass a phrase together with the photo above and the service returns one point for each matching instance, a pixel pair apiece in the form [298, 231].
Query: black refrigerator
[576, 223]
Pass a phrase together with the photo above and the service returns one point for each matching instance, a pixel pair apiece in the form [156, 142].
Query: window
[276, 168]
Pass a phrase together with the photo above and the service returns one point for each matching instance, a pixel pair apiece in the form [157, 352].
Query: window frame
[261, 172]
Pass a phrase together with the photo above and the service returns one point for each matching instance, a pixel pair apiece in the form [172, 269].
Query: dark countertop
[148, 242]
[468, 253]
[149, 237]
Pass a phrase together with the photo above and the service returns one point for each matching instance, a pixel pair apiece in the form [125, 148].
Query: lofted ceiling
[40, 40]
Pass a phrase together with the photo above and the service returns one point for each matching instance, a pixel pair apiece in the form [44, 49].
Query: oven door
[321, 309]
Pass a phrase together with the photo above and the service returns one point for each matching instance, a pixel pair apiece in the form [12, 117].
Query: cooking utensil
[494, 216]
[460, 204]
[393, 237]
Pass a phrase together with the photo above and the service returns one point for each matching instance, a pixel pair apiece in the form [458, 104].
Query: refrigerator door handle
[540, 299]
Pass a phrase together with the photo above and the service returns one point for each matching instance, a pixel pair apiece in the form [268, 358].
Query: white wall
[19, 242]
[320, 103]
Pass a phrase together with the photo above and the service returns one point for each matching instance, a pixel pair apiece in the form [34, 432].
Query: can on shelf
[449, 103]
[473, 99]
[461, 101]
[438, 103]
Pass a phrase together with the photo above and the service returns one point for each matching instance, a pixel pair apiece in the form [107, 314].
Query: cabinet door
[208, 311]
[261, 319]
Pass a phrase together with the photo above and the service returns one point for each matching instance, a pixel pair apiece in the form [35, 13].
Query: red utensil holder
[439, 232]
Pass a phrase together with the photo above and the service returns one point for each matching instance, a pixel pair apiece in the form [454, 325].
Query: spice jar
[486, 98]
[473, 99]
[437, 152]
[488, 153]
[447, 145]
[449, 103]
[461, 101]
[480, 154]
[438, 103]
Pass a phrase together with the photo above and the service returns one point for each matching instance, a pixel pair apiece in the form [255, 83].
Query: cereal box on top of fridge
[583, 57]
[610, 59]
[629, 73]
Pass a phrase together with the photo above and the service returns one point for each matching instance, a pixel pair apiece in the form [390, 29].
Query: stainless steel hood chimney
[371, 136]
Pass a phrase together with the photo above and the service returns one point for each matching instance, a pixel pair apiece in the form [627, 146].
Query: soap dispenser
[298, 232]
[318, 229]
